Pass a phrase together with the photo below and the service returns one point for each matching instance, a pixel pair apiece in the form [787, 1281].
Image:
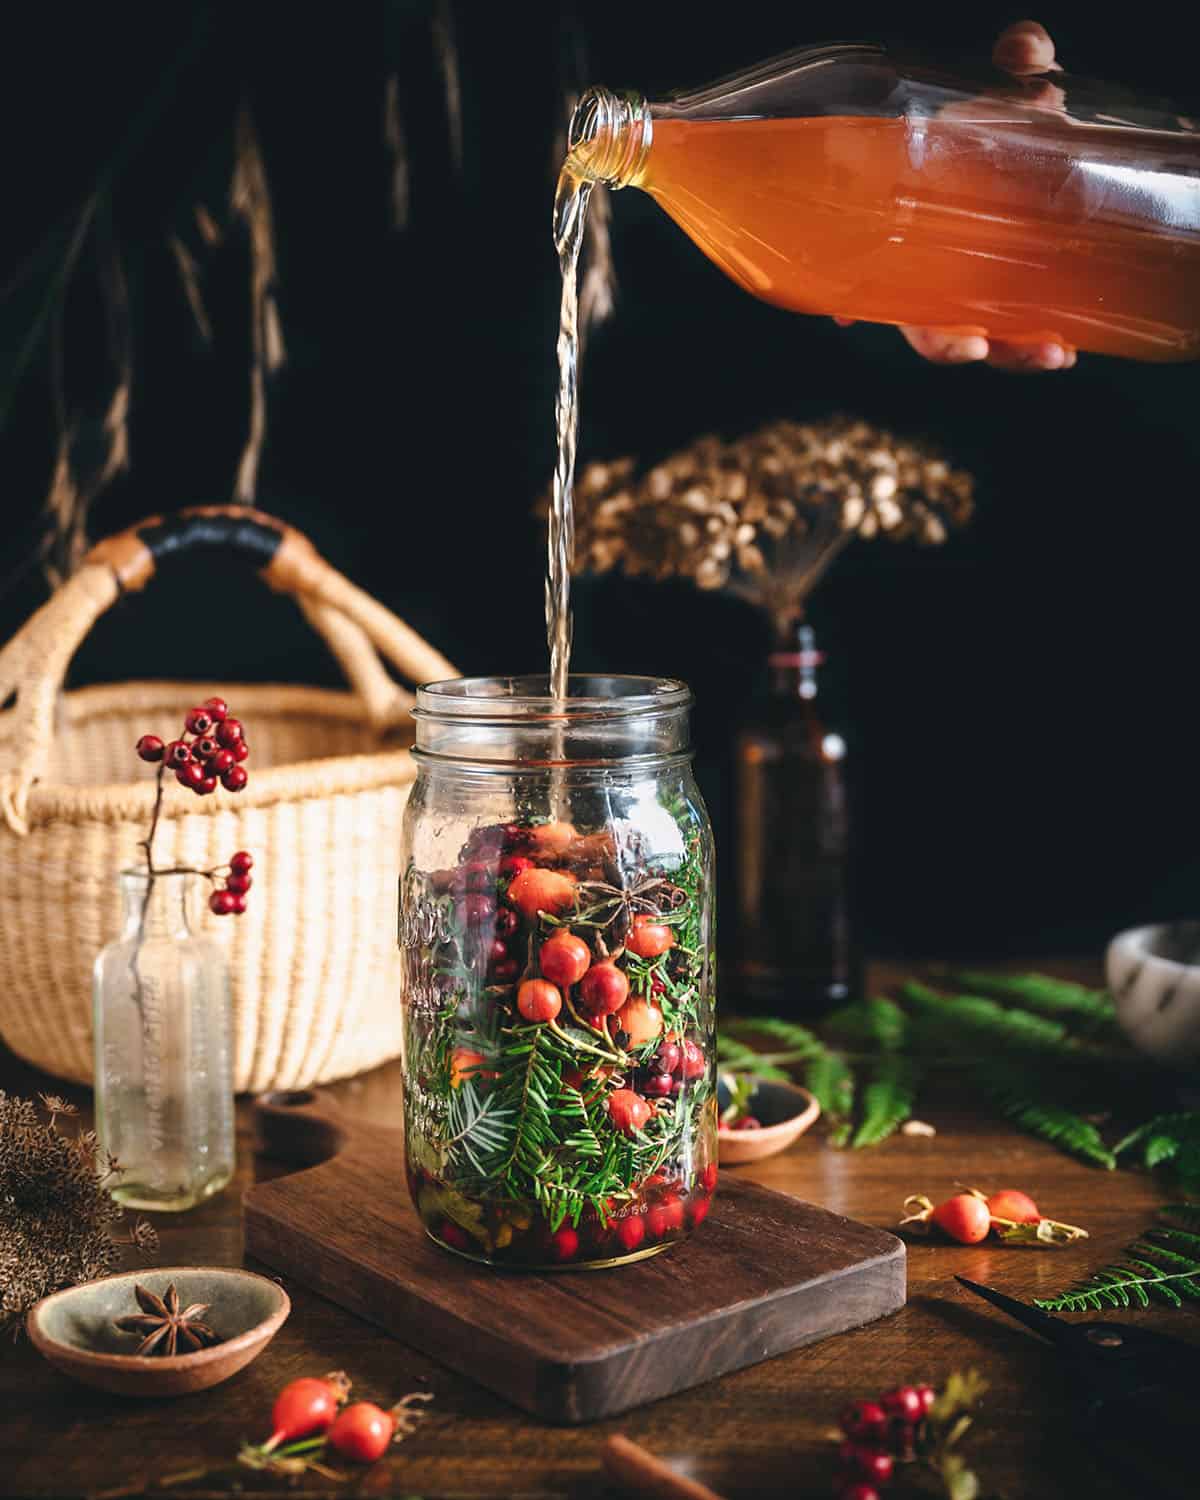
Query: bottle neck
[793, 672]
[155, 908]
[609, 137]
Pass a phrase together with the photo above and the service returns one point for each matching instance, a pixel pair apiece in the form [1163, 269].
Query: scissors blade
[1044, 1324]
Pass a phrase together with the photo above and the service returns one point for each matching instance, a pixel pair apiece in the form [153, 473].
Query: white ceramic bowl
[1154, 976]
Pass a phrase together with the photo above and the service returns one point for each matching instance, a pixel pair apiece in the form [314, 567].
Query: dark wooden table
[763, 1432]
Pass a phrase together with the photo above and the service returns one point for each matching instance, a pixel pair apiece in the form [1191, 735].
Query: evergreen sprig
[830, 1080]
[876, 1022]
[948, 1021]
[1153, 1270]
[1057, 998]
[887, 1099]
[1028, 1098]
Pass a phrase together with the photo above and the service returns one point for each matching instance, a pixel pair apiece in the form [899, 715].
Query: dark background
[1018, 704]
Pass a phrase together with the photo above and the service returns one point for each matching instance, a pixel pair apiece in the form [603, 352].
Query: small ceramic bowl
[74, 1329]
[785, 1110]
[1154, 976]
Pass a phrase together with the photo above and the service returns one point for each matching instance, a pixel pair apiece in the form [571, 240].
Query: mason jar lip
[526, 699]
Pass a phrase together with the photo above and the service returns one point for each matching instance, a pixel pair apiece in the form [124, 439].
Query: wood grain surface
[765, 1273]
[762, 1433]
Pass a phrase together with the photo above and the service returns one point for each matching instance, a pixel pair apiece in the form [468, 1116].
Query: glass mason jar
[847, 181]
[556, 932]
[164, 1057]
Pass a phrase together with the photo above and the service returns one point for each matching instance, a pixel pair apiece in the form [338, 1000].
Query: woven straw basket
[314, 960]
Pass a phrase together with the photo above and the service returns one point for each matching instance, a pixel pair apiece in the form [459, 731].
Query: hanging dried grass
[250, 200]
[765, 515]
[446, 53]
[396, 140]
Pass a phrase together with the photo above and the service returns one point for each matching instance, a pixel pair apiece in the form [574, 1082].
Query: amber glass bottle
[795, 950]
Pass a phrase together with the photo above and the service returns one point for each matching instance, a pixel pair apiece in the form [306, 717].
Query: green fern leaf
[1030, 1102]
[1042, 993]
[830, 1080]
[747, 1060]
[1159, 1149]
[952, 1020]
[887, 1100]
[1119, 1286]
[877, 1022]
[794, 1037]
[1181, 1126]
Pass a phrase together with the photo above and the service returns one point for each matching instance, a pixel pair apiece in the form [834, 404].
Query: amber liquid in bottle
[1018, 229]
[795, 948]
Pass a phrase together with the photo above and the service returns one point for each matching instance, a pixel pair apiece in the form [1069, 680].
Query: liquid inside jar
[560, 1101]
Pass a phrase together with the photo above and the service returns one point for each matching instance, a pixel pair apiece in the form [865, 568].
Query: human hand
[1022, 49]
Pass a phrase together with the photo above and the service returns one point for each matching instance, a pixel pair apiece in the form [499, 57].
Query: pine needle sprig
[1057, 998]
[1031, 1101]
[888, 1099]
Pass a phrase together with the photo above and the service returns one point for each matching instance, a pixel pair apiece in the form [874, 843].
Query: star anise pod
[167, 1330]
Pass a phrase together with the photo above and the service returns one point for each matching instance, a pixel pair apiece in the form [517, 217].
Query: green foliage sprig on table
[1041, 1052]
[1162, 1266]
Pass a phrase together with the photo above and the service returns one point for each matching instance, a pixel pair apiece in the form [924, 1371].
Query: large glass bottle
[795, 951]
[841, 181]
[164, 1059]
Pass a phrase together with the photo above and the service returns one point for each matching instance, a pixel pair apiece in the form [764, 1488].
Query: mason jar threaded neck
[609, 136]
[604, 721]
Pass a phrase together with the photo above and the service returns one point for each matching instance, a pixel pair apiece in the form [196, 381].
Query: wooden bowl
[74, 1329]
[786, 1111]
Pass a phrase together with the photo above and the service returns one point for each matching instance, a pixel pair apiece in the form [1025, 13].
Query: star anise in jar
[166, 1330]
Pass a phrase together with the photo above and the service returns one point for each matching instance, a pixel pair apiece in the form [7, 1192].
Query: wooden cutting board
[766, 1273]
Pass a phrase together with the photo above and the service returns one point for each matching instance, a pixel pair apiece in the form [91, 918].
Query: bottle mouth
[609, 136]
[518, 723]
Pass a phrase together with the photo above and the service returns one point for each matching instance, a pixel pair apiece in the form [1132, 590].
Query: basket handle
[355, 626]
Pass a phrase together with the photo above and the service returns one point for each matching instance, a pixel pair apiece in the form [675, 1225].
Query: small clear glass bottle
[795, 948]
[556, 936]
[164, 1058]
[850, 181]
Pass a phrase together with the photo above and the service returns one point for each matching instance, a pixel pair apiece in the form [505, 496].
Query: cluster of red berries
[230, 899]
[213, 754]
[878, 1433]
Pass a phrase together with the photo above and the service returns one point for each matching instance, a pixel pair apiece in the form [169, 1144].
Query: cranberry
[864, 1422]
[871, 1463]
[242, 862]
[657, 986]
[239, 905]
[221, 902]
[239, 884]
[150, 747]
[694, 1062]
[664, 1216]
[657, 1086]
[478, 908]
[513, 864]
[631, 1232]
[507, 922]
[505, 971]
[903, 1402]
[190, 774]
[564, 1243]
[604, 989]
[513, 834]
[669, 1057]
[453, 1234]
[235, 778]
[498, 951]
[859, 1492]
[205, 786]
[747, 1122]
[204, 748]
[198, 721]
[240, 751]
[927, 1396]
[698, 1210]
[178, 753]
[217, 709]
[708, 1178]
[477, 877]
[539, 1000]
[565, 959]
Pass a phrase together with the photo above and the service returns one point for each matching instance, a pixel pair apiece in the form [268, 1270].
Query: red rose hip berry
[564, 1243]
[1011, 1203]
[627, 1110]
[604, 989]
[150, 748]
[565, 959]
[964, 1218]
[648, 938]
[631, 1232]
[539, 1000]
[361, 1432]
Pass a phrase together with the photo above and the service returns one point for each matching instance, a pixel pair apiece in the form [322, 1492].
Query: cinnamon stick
[640, 1473]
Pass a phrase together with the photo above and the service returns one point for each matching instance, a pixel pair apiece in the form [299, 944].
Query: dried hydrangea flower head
[765, 514]
[56, 1215]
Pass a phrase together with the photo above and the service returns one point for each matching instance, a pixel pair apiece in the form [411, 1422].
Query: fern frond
[877, 1022]
[830, 1080]
[957, 1019]
[887, 1100]
[1124, 1285]
[1014, 1092]
[794, 1037]
[1180, 1126]
[1058, 998]
[747, 1060]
